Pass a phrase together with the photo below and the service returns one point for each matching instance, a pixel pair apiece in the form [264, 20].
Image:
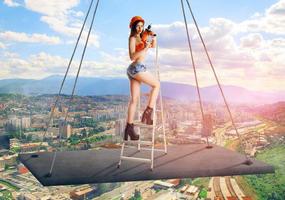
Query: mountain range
[120, 86]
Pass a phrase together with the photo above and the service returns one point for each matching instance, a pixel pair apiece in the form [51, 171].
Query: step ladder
[155, 128]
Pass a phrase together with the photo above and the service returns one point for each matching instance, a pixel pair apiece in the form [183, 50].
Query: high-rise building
[22, 122]
[207, 127]
[65, 129]
[26, 122]
[14, 122]
[56, 112]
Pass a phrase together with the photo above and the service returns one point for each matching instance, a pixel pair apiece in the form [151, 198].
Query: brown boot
[146, 117]
[129, 131]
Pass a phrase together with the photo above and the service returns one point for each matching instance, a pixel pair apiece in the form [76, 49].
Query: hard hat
[134, 19]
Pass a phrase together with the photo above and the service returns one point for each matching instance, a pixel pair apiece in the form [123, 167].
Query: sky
[245, 39]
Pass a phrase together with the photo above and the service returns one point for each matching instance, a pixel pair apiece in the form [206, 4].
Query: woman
[137, 73]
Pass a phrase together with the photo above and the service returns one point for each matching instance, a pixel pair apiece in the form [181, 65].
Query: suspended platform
[100, 166]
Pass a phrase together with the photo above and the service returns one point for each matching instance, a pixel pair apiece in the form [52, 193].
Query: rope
[82, 56]
[193, 64]
[78, 71]
[67, 70]
[225, 101]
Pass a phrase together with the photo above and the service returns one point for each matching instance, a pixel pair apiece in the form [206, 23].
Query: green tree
[185, 181]
[102, 188]
[74, 139]
[83, 133]
[137, 195]
[29, 138]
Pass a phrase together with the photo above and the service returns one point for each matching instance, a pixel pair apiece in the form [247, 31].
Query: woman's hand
[147, 45]
[152, 42]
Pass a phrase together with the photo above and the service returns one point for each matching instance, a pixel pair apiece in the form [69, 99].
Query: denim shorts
[133, 69]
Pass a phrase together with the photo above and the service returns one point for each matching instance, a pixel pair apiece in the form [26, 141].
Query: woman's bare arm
[132, 49]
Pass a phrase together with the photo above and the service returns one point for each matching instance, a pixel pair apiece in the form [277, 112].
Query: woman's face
[139, 27]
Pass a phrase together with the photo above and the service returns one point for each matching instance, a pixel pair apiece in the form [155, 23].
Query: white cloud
[44, 61]
[277, 9]
[43, 64]
[219, 28]
[35, 66]
[272, 21]
[59, 25]
[252, 41]
[278, 42]
[61, 18]
[77, 13]
[172, 35]
[8, 54]
[218, 35]
[51, 7]
[219, 39]
[11, 3]
[2, 45]
[32, 38]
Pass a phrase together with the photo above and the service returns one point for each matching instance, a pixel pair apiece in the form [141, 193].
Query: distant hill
[120, 86]
[275, 112]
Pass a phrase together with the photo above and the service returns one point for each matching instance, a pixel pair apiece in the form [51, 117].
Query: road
[223, 187]
[217, 189]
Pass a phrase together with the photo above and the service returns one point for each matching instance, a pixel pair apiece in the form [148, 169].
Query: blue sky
[112, 20]
[37, 38]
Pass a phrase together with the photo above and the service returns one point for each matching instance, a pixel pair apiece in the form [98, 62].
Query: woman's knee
[156, 85]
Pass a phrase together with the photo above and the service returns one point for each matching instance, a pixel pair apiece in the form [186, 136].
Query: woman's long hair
[134, 30]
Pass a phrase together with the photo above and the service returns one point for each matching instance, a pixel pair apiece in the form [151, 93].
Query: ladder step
[138, 142]
[149, 149]
[140, 124]
[159, 127]
[136, 159]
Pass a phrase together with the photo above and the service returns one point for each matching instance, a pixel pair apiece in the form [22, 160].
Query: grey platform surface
[98, 166]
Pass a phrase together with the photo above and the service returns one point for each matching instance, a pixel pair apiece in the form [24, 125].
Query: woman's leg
[149, 79]
[135, 95]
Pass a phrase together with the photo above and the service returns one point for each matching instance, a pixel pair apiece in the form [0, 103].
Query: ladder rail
[160, 97]
[152, 147]
[139, 116]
